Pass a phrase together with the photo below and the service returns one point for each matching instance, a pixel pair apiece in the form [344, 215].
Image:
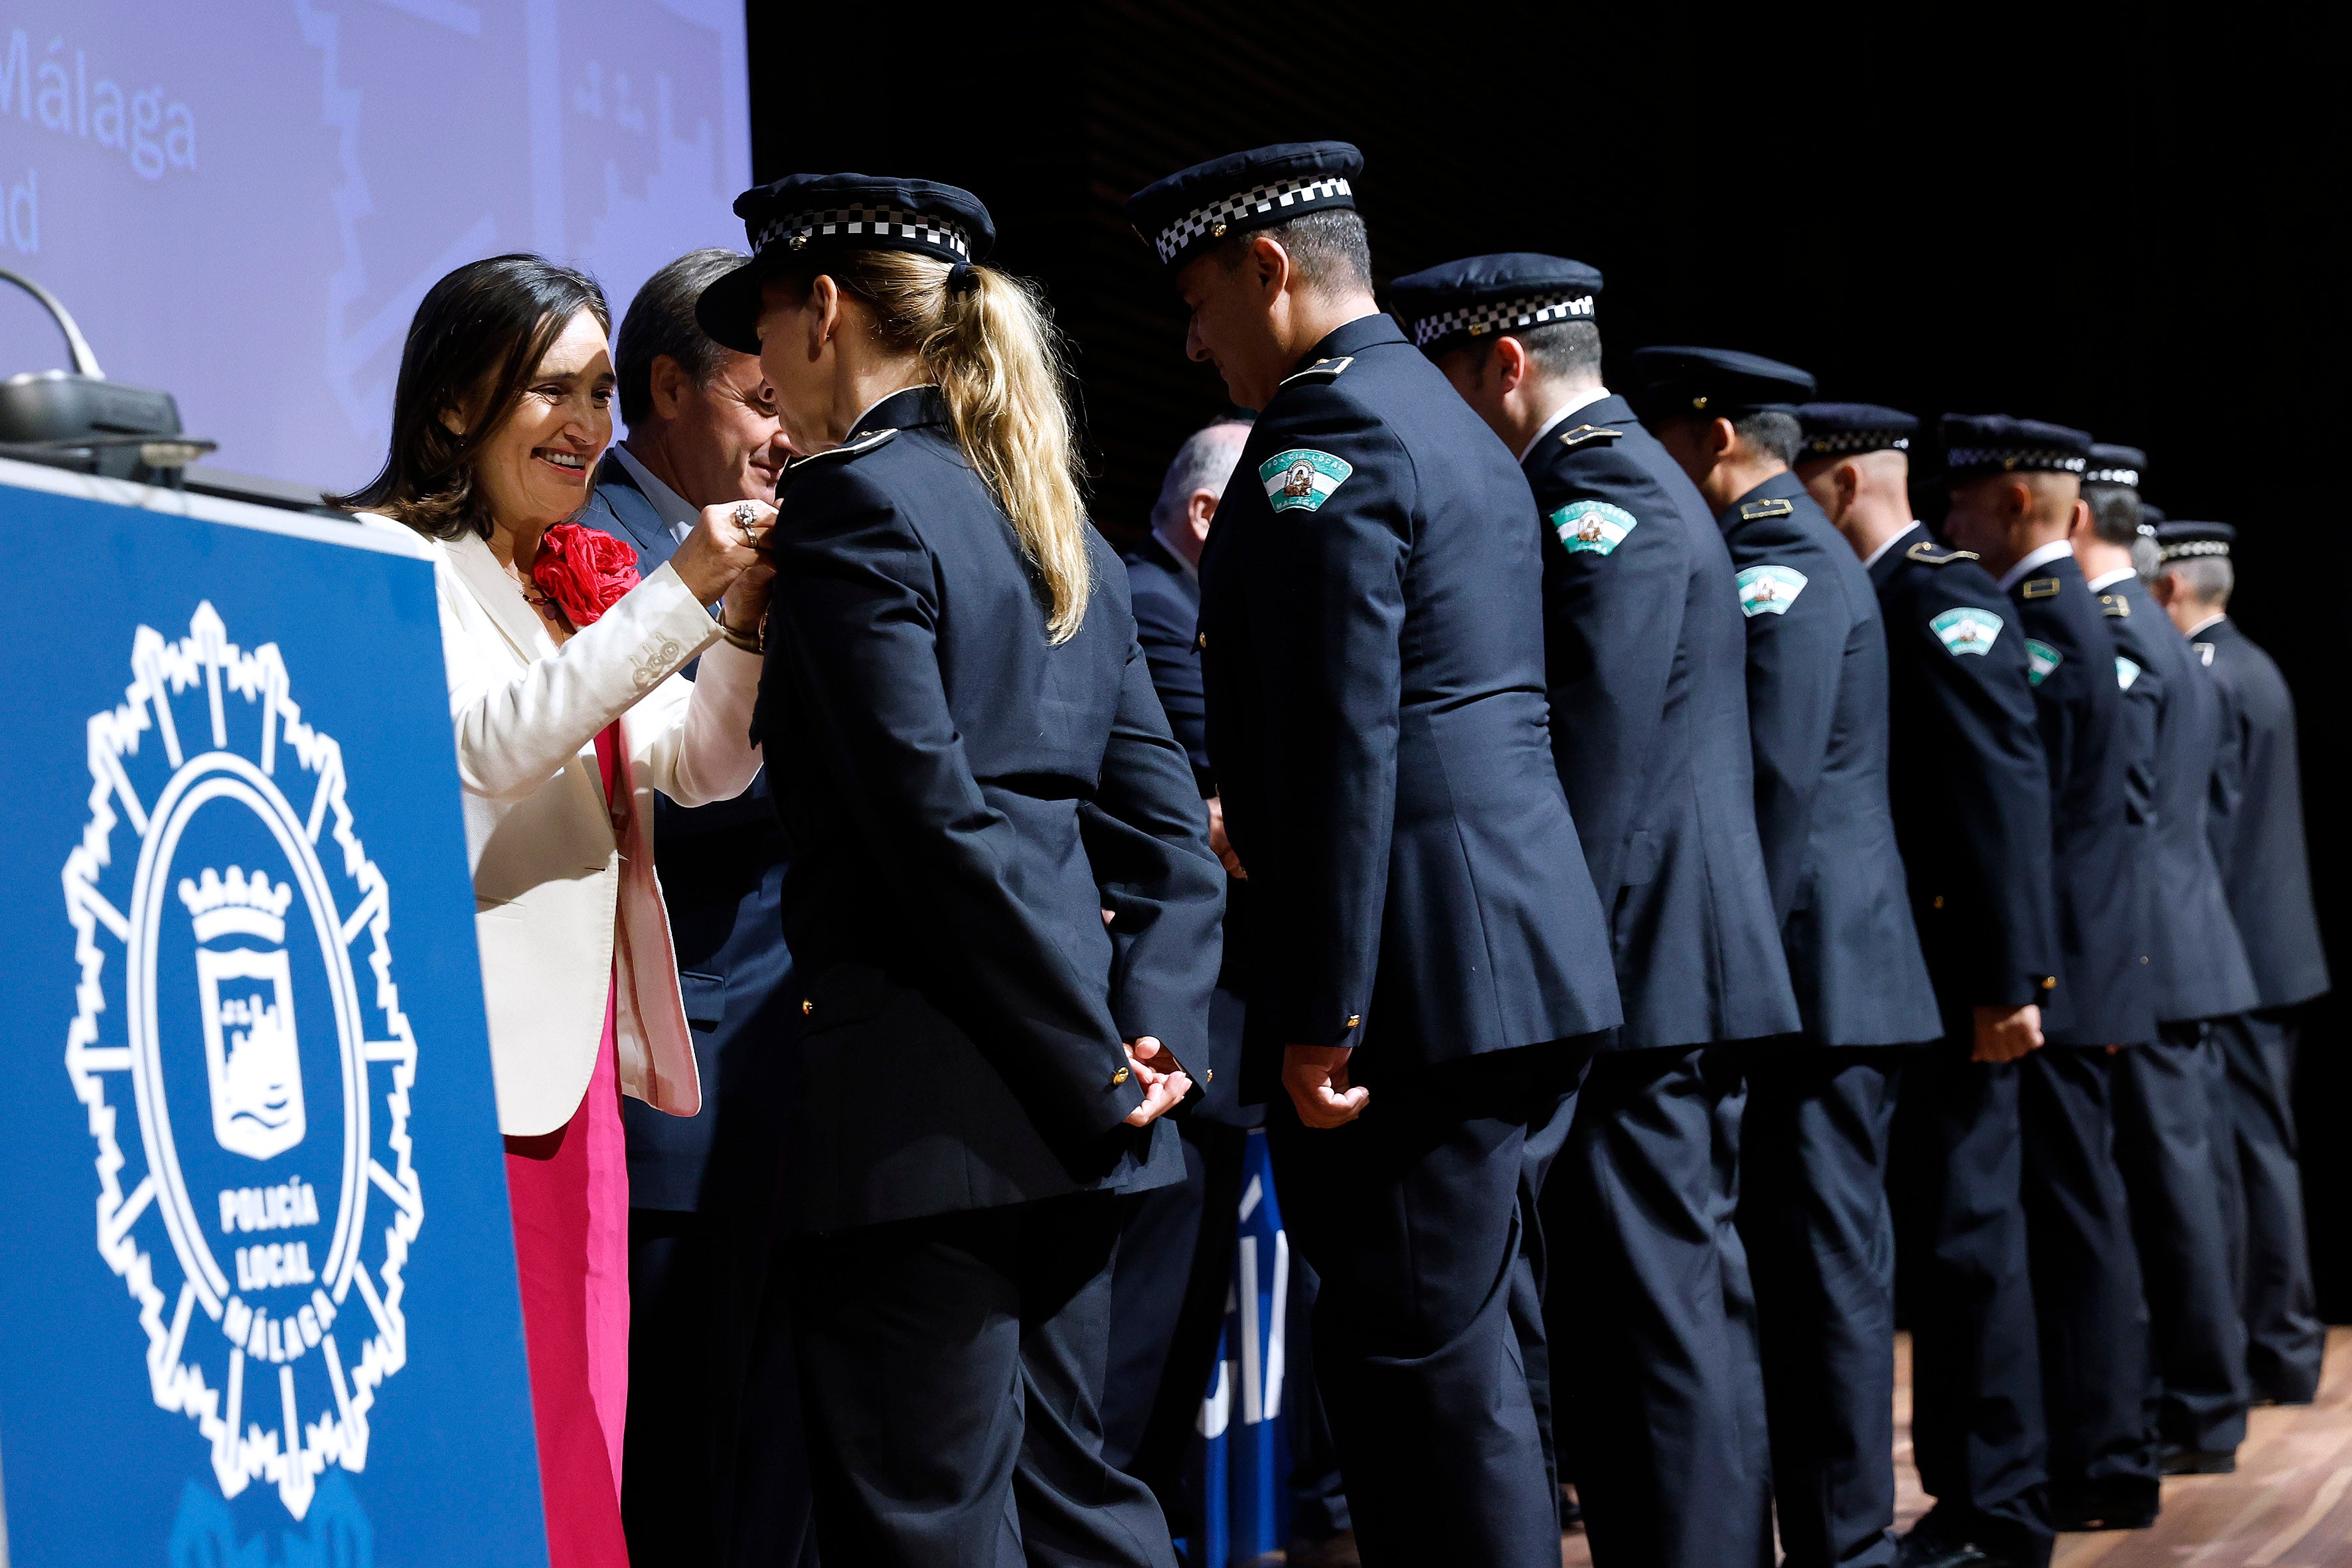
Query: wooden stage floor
[2289, 1505]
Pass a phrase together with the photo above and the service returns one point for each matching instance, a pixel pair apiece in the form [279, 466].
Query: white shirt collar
[1887, 543]
[2050, 552]
[668, 505]
[1182, 559]
[2216, 618]
[1577, 403]
[2107, 580]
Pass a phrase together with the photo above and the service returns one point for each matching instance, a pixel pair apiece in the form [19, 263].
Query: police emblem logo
[1966, 629]
[1768, 590]
[1592, 525]
[2041, 659]
[248, 1090]
[2125, 672]
[1303, 478]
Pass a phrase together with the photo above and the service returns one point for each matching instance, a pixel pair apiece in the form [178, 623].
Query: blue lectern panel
[256, 1282]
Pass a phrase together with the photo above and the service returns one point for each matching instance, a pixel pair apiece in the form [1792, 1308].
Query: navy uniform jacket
[2257, 822]
[1372, 650]
[1643, 654]
[1817, 726]
[2106, 991]
[1965, 772]
[722, 871]
[963, 800]
[2200, 965]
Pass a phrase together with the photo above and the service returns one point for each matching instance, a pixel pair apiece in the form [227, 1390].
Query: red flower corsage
[584, 571]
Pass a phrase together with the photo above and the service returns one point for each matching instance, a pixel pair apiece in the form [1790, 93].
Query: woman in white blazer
[570, 711]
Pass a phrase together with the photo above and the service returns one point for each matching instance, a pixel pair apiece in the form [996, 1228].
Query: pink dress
[569, 1191]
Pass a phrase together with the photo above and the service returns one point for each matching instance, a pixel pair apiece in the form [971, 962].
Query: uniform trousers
[1820, 1245]
[1410, 1217]
[2088, 1299]
[2172, 1112]
[1650, 1372]
[951, 1373]
[1966, 1292]
[2283, 1333]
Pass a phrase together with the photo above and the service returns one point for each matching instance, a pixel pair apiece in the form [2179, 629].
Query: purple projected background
[242, 202]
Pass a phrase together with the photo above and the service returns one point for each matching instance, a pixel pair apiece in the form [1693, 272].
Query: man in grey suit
[714, 1468]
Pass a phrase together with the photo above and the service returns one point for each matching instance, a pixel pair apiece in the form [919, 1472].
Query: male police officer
[1644, 654]
[1430, 957]
[1813, 1145]
[1971, 799]
[2014, 483]
[2258, 835]
[2171, 1106]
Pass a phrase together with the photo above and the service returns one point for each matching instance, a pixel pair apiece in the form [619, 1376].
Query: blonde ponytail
[993, 350]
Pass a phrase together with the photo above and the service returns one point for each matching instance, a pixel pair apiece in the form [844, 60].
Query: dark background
[2105, 219]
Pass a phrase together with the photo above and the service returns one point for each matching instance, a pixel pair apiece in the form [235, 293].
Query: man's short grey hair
[1770, 431]
[1204, 462]
[1562, 351]
[2208, 579]
[1331, 249]
[2115, 512]
[661, 321]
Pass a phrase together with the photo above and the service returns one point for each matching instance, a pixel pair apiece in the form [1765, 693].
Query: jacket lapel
[495, 593]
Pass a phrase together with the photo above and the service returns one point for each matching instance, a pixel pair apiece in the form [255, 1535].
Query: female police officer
[1001, 890]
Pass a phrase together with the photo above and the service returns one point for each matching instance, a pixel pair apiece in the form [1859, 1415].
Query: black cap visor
[728, 309]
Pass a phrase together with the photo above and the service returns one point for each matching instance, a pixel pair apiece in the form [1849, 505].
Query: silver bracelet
[756, 642]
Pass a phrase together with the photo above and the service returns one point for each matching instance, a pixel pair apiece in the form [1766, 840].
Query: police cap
[1849, 429]
[1193, 208]
[803, 216]
[1980, 444]
[1447, 306]
[2112, 465]
[1710, 384]
[2182, 541]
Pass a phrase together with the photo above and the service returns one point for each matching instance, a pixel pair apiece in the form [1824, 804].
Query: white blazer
[562, 887]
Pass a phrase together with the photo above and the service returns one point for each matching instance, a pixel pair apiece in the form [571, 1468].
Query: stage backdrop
[258, 1297]
[243, 202]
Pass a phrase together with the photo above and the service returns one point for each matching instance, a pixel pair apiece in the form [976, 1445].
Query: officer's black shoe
[2119, 1505]
[1932, 1546]
[2174, 1459]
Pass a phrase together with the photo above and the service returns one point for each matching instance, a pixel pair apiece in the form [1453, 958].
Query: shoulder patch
[1769, 589]
[2125, 672]
[1966, 629]
[2042, 588]
[1934, 555]
[1754, 510]
[1302, 476]
[1592, 525]
[842, 453]
[2115, 605]
[1321, 370]
[2204, 653]
[2041, 659]
[1586, 435]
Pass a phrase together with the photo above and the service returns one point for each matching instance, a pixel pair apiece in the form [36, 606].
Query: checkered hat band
[1501, 315]
[2031, 459]
[1251, 203]
[2192, 547]
[1832, 442]
[881, 223]
[2112, 477]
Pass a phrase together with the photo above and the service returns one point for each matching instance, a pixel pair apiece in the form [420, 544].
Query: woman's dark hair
[478, 337]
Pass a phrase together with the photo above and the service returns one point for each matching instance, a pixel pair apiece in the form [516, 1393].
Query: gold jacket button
[1353, 1019]
[807, 1007]
[1940, 900]
[1119, 1078]
[2050, 983]
[1201, 641]
[1210, 1076]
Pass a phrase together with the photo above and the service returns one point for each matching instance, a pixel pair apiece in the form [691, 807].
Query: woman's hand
[1163, 1082]
[721, 551]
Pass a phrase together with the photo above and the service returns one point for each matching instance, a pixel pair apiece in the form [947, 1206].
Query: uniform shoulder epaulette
[842, 453]
[1322, 370]
[1928, 555]
[2115, 605]
[1761, 508]
[2040, 588]
[1586, 435]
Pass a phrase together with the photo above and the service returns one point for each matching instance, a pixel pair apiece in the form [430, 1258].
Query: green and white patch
[1768, 590]
[1592, 525]
[1302, 478]
[1966, 629]
[2041, 659]
[2125, 672]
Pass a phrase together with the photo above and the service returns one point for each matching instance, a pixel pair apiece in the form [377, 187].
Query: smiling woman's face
[534, 471]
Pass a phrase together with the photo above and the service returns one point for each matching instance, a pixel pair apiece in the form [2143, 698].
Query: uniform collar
[1578, 401]
[1782, 486]
[1354, 337]
[2107, 580]
[2041, 556]
[902, 410]
[1915, 534]
[1155, 543]
[2207, 624]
